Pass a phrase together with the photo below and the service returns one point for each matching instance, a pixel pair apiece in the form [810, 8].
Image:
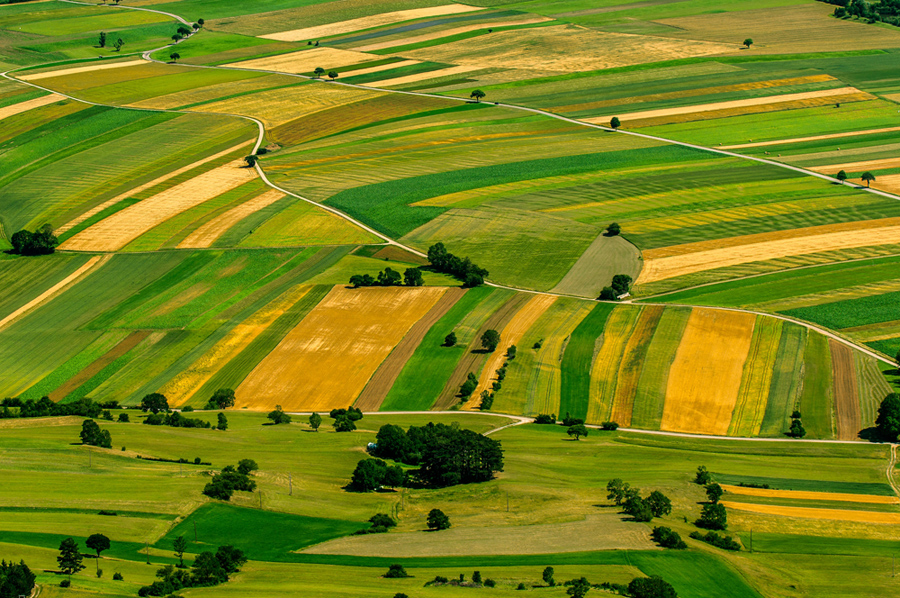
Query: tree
[477, 94]
[412, 277]
[613, 229]
[207, 570]
[615, 123]
[332, 75]
[221, 399]
[714, 492]
[368, 475]
[748, 42]
[102, 39]
[315, 420]
[174, 56]
[223, 422]
[608, 294]
[797, 430]
[658, 503]
[490, 340]
[450, 340]
[279, 416]
[578, 588]
[437, 520]
[319, 72]
[469, 386]
[577, 431]
[713, 516]
[667, 538]
[343, 423]
[621, 283]
[154, 403]
[92, 435]
[547, 576]
[195, 26]
[868, 177]
[887, 424]
[124, 418]
[394, 476]
[180, 545]
[69, 558]
[98, 543]
[476, 577]
[251, 160]
[702, 477]
[389, 278]
[897, 358]
[246, 466]
[176, 38]
[382, 520]
[511, 352]
[182, 30]
[118, 45]
[201, 22]
[40, 242]
[638, 508]
[396, 572]
[651, 587]
[841, 176]
[15, 579]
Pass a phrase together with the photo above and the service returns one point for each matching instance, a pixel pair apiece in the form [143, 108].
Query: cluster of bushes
[278, 416]
[723, 542]
[231, 479]
[796, 430]
[196, 461]
[713, 515]
[619, 286]
[345, 419]
[44, 407]
[41, 242]
[15, 579]
[668, 538]
[887, 11]
[460, 582]
[92, 434]
[412, 277]
[208, 569]
[656, 504]
[381, 523]
[175, 420]
[371, 474]
[446, 455]
[461, 268]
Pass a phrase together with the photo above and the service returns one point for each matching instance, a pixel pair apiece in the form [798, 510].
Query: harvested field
[382, 67]
[714, 348]
[846, 397]
[609, 350]
[100, 66]
[883, 164]
[814, 138]
[211, 93]
[131, 192]
[123, 347]
[510, 335]
[117, 231]
[596, 532]
[757, 379]
[426, 37]
[207, 234]
[606, 257]
[351, 25]
[92, 264]
[752, 248]
[327, 359]
[306, 61]
[27, 105]
[383, 380]
[889, 182]
[805, 495]
[763, 101]
[633, 363]
[453, 70]
[810, 513]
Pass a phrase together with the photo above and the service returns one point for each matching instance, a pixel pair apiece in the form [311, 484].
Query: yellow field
[511, 334]
[386, 18]
[450, 32]
[453, 70]
[763, 101]
[814, 138]
[92, 264]
[810, 513]
[888, 182]
[100, 66]
[215, 228]
[754, 393]
[706, 374]
[327, 359]
[14, 109]
[306, 61]
[605, 370]
[632, 362]
[382, 67]
[182, 387]
[883, 164]
[804, 495]
[117, 231]
[99, 208]
[209, 93]
[681, 261]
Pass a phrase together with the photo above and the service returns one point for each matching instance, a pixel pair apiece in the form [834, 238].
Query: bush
[545, 419]
[651, 587]
[187, 409]
[450, 340]
[668, 538]
[383, 520]
[723, 542]
[99, 573]
[437, 520]
[489, 583]
[124, 418]
[521, 586]
[609, 426]
[117, 576]
[65, 583]
[396, 572]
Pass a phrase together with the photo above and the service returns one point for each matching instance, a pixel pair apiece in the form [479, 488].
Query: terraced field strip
[706, 375]
[327, 359]
[306, 61]
[806, 495]
[168, 176]
[382, 381]
[813, 138]
[811, 513]
[207, 234]
[181, 388]
[511, 334]
[117, 231]
[378, 20]
[473, 359]
[846, 397]
[453, 70]
[92, 264]
[784, 392]
[749, 102]
[427, 37]
[633, 363]
[607, 354]
[27, 105]
[80, 69]
[750, 409]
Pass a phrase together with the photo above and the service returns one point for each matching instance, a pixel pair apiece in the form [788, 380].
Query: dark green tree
[368, 475]
[651, 587]
[102, 39]
[246, 466]
[702, 477]
[315, 420]
[667, 538]
[396, 572]
[658, 503]
[476, 577]
[319, 72]
[578, 588]
[154, 403]
[450, 340]
[477, 95]
[748, 42]
[69, 559]
[394, 476]
[124, 418]
[222, 422]
[577, 431]
[608, 294]
[412, 277]
[868, 177]
[613, 230]
[207, 570]
[15, 579]
[490, 340]
[251, 160]
[332, 75]
[119, 43]
[469, 386]
[279, 416]
[174, 56]
[343, 423]
[713, 516]
[887, 424]
[92, 435]
[615, 123]
[547, 576]
[638, 508]
[98, 543]
[437, 520]
[714, 492]
[180, 545]
[797, 430]
[221, 399]
[41, 242]
[841, 176]
[621, 283]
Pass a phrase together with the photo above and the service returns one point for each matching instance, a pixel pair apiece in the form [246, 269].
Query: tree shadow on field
[870, 434]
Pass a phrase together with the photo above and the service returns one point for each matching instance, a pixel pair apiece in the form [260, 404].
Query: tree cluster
[887, 424]
[545, 419]
[208, 569]
[44, 407]
[723, 542]
[713, 516]
[446, 455]
[41, 242]
[176, 420]
[796, 430]
[656, 504]
[345, 419]
[887, 11]
[221, 399]
[381, 523]
[412, 277]
[667, 538]
[15, 579]
[232, 479]
[278, 416]
[619, 286]
[461, 268]
[372, 474]
[92, 434]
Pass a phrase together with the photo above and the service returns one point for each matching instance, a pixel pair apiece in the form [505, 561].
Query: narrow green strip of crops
[577, 361]
[874, 488]
[817, 398]
[786, 382]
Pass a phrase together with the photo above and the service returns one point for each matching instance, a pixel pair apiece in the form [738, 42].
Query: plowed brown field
[846, 398]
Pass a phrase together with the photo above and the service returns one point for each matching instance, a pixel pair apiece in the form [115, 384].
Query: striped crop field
[605, 367]
[578, 358]
[746, 420]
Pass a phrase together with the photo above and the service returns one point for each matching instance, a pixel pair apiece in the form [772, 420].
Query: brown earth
[846, 399]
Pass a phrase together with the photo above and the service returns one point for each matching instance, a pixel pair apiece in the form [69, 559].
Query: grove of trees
[92, 435]
[412, 277]
[15, 579]
[40, 242]
[208, 569]
[461, 268]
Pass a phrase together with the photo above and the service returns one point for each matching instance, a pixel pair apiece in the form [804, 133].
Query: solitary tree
[315, 420]
[841, 176]
[118, 45]
[490, 340]
[102, 39]
[319, 72]
[477, 94]
[97, 543]
[547, 576]
[154, 403]
[222, 423]
[200, 22]
[174, 56]
[748, 42]
[251, 160]
[437, 520]
[615, 123]
[279, 416]
[577, 431]
[69, 558]
[613, 229]
[713, 516]
[450, 341]
[332, 75]
[221, 399]
[180, 545]
[868, 177]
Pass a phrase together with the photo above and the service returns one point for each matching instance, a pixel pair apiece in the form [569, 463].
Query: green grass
[577, 361]
[797, 544]
[881, 489]
[786, 382]
[817, 397]
[852, 312]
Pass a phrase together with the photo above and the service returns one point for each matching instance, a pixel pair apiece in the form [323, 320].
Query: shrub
[651, 587]
[99, 573]
[489, 583]
[668, 538]
[437, 520]
[124, 418]
[521, 586]
[723, 542]
[703, 478]
[545, 419]
[65, 583]
[396, 572]
[610, 426]
[476, 577]
[383, 520]
[187, 409]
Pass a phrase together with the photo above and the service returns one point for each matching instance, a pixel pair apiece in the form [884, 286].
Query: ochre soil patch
[511, 334]
[385, 18]
[814, 138]
[306, 61]
[810, 513]
[805, 495]
[425, 37]
[846, 398]
[207, 234]
[127, 344]
[383, 379]
[80, 69]
[123, 227]
[327, 359]
[14, 109]
[706, 374]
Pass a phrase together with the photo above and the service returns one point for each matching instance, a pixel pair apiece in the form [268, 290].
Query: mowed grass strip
[326, 361]
[608, 352]
[753, 396]
[714, 348]
[787, 380]
[578, 359]
[846, 397]
[817, 398]
[633, 363]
